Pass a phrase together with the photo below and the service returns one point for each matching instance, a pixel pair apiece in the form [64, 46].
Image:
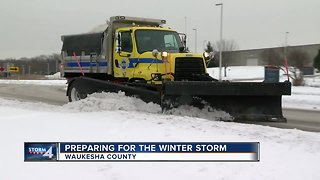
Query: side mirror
[208, 57]
[183, 38]
[118, 42]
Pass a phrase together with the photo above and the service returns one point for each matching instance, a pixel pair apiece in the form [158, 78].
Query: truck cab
[150, 53]
[134, 50]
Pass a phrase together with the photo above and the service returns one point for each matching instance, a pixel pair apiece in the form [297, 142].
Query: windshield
[148, 40]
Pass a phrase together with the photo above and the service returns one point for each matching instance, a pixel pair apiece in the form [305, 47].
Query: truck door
[122, 52]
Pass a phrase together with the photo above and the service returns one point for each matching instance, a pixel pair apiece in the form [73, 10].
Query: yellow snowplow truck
[142, 58]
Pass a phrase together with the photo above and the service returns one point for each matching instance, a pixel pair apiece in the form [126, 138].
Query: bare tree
[214, 62]
[316, 61]
[298, 58]
[41, 64]
[272, 56]
[228, 47]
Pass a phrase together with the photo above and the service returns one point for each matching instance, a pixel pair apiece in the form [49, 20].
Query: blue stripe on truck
[132, 61]
[143, 60]
[86, 64]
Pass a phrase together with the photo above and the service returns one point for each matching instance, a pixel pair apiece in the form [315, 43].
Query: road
[35, 93]
[300, 119]
[306, 120]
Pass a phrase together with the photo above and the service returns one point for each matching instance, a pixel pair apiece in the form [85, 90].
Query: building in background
[257, 57]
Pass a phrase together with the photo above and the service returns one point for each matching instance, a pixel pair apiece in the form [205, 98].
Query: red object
[75, 57]
[170, 72]
[286, 63]
[1, 69]
[165, 66]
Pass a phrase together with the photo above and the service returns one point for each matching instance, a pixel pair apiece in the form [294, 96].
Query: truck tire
[73, 94]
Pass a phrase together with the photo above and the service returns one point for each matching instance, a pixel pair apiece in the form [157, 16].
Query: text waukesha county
[100, 156]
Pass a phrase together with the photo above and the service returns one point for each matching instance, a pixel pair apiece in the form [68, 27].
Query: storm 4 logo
[40, 152]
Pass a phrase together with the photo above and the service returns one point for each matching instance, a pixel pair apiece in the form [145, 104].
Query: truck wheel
[74, 95]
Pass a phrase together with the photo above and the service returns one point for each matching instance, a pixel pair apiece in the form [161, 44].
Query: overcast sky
[33, 27]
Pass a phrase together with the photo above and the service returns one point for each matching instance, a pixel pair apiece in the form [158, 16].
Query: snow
[61, 82]
[238, 73]
[285, 154]
[110, 117]
[312, 81]
[246, 73]
[55, 76]
[118, 101]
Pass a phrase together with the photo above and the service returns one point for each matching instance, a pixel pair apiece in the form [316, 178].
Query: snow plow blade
[245, 101]
[86, 85]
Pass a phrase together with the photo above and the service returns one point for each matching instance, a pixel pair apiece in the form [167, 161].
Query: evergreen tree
[316, 61]
[209, 47]
[214, 62]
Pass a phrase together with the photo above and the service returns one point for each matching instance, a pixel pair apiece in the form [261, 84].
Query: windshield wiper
[146, 51]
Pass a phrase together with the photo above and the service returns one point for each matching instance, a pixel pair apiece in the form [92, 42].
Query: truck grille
[187, 67]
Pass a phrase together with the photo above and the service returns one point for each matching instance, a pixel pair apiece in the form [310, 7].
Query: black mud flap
[86, 85]
[245, 101]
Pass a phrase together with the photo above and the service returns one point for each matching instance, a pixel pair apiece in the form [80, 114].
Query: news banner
[142, 151]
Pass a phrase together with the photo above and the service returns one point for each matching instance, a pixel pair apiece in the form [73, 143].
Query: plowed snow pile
[118, 101]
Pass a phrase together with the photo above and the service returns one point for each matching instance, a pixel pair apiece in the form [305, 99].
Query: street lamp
[285, 53]
[285, 45]
[195, 40]
[220, 44]
[185, 28]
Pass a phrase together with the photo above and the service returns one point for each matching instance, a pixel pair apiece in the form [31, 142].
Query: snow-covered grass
[56, 76]
[256, 73]
[303, 98]
[234, 73]
[312, 81]
[285, 154]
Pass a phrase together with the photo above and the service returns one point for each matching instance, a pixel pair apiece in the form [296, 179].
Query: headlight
[164, 54]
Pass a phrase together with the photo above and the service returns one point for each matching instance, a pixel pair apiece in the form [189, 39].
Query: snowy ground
[285, 154]
[35, 82]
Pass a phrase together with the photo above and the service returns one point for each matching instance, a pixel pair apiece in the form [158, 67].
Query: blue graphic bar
[143, 151]
[159, 147]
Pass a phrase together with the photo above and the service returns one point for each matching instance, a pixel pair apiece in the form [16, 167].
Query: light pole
[285, 45]
[48, 68]
[220, 44]
[195, 40]
[285, 53]
[185, 28]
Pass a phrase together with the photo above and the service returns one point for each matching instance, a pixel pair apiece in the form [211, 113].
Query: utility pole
[185, 28]
[220, 44]
[56, 65]
[195, 40]
[48, 70]
[285, 53]
[285, 45]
